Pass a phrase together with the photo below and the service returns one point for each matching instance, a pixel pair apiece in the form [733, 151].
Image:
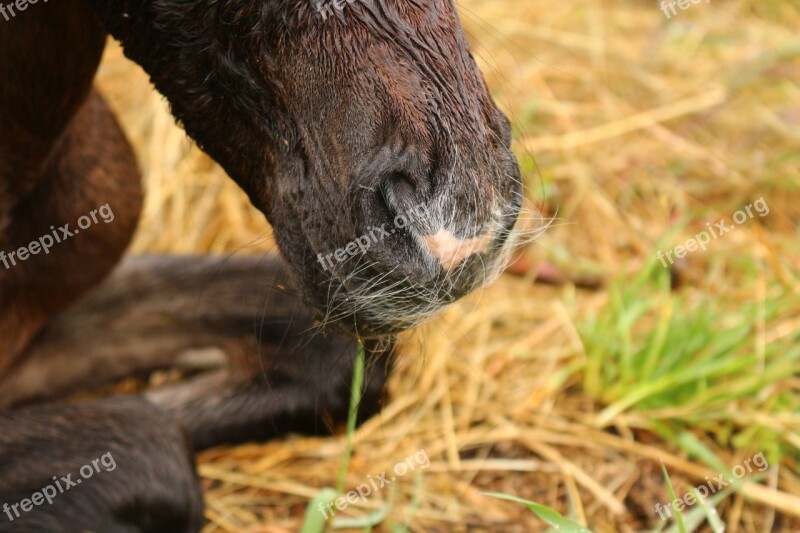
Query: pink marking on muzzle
[451, 251]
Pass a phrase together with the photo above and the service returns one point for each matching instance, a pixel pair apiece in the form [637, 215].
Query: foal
[335, 126]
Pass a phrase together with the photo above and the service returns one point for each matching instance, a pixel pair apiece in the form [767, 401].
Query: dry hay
[635, 121]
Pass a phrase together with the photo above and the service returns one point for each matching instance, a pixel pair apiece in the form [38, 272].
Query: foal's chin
[381, 304]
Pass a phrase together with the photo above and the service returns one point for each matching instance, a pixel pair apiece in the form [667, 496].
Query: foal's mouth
[379, 298]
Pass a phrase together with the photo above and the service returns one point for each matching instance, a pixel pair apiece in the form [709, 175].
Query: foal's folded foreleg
[154, 312]
[275, 372]
[306, 389]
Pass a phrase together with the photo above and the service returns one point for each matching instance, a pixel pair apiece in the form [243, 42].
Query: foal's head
[366, 134]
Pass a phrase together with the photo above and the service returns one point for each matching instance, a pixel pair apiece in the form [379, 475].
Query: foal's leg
[307, 391]
[115, 466]
[294, 380]
[91, 165]
[62, 157]
[275, 373]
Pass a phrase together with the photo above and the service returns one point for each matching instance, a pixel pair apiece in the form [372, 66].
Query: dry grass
[637, 125]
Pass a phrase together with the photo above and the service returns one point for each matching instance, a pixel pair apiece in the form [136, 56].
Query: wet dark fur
[332, 127]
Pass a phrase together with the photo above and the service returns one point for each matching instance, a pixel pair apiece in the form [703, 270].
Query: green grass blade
[695, 517]
[363, 522]
[547, 514]
[689, 442]
[314, 521]
[712, 516]
[678, 516]
[356, 391]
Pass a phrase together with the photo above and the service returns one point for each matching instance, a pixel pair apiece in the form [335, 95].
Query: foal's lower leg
[272, 371]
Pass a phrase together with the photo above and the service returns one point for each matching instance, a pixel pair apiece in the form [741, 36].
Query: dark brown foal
[373, 121]
[65, 325]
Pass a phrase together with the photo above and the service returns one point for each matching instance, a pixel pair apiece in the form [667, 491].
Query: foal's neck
[208, 58]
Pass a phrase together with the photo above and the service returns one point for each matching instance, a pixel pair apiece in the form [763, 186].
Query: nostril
[404, 199]
[400, 193]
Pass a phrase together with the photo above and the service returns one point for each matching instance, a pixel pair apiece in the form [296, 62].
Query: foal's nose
[409, 201]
